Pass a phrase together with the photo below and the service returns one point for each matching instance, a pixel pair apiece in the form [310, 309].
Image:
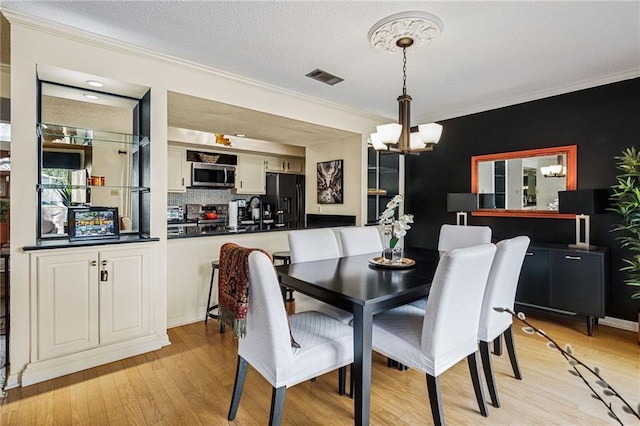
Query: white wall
[354, 184]
[514, 184]
[485, 177]
[34, 42]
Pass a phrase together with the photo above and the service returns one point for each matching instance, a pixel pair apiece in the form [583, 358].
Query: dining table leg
[362, 324]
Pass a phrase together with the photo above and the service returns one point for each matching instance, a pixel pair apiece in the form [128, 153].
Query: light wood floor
[190, 382]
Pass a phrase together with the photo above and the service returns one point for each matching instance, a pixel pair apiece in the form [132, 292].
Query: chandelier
[400, 32]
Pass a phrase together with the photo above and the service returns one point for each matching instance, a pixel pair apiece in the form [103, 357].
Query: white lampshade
[415, 141]
[389, 133]
[430, 133]
[374, 138]
[555, 169]
[545, 170]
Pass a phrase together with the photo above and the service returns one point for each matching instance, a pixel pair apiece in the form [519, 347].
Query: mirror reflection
[523, 182]
[87, 153]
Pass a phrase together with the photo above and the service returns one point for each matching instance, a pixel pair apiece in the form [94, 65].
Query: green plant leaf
[626, 203]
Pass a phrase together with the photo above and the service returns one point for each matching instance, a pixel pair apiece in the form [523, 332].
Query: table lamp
[583, 203]
[461, 203]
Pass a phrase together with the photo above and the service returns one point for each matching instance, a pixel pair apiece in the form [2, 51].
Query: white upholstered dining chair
[360, 240]
[325, 343]
[434, 340]
[454, 236]
[313, 244]
[501, 292]
[307, 245]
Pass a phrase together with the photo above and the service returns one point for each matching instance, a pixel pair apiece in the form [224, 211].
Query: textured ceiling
[491, 54]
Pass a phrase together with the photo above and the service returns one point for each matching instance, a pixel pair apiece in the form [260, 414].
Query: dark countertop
[206, 231]
[58, 243]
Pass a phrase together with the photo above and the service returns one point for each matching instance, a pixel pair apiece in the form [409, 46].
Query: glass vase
[392, 255]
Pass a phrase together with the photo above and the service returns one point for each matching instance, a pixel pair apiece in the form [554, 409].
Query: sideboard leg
[590, 323]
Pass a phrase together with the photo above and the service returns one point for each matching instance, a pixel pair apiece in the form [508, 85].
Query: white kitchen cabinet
[251, 175]
[67, 304]
[285, 165]
[90, 299]
[294, 165]
[124, 295]
[177, 170]
[275, 164]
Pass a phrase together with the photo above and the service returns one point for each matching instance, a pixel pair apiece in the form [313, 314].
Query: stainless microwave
[213, 175]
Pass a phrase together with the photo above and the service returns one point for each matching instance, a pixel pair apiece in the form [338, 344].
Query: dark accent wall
[602, 121]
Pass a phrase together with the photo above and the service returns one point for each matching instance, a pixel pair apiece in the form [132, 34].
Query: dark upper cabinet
[383, 181]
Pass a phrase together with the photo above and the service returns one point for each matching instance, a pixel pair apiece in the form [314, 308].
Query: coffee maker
[243, 212]
[267, 211]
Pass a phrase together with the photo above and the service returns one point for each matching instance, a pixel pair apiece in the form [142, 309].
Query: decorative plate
[405, 262]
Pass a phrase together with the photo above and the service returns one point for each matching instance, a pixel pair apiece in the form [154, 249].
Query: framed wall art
[90, 223]
[329, 177]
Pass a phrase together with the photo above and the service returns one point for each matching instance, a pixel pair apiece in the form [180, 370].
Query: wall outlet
[115, 192]
[319, 209]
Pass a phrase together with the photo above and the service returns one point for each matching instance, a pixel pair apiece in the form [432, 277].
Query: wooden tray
[405, 262]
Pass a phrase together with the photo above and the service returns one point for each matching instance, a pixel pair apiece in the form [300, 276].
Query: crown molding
[105, 42]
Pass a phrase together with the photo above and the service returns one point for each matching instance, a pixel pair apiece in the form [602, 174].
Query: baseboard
[185, 319]
[40, 371]
[619, 323]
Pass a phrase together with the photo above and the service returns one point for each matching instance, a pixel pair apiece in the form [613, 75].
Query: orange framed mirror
[524, 183]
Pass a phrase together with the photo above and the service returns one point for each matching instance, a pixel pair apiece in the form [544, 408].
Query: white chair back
[501, 287]
[267, 345]
[454, 237]
[313, 244]
[450, 327]
[360, 240]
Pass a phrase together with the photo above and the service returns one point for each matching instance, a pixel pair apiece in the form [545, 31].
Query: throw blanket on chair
[233, 288]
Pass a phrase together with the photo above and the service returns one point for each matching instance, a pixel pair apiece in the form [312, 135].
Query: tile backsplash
[203, 196]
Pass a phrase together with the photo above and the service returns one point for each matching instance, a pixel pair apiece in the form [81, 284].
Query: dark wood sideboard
[565, 280]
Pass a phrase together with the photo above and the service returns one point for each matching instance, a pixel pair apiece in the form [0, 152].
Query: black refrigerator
[285, 192]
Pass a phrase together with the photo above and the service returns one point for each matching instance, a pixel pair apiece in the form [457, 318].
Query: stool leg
[206, 314]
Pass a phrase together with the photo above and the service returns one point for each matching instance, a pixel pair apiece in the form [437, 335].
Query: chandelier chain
[404, 70]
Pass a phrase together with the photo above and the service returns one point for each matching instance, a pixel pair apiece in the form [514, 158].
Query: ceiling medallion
[421, 27]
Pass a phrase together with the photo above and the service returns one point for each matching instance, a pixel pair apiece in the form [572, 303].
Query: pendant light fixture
[400, 32]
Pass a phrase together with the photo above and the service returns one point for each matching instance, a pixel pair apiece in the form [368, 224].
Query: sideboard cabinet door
[578, 282]
[533, 286]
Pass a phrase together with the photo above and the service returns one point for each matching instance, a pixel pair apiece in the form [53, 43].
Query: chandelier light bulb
[430, 133]
[389, 133]
[378, 145]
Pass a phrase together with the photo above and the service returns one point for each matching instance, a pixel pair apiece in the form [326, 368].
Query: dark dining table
[354, 284]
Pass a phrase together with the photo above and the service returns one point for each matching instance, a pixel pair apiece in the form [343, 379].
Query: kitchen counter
[189, 267]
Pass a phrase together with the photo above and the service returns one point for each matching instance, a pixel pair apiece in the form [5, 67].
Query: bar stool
[287, 293]
[284, 256]
[214, 266]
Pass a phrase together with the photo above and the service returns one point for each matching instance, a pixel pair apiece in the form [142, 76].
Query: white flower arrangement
[396, 227]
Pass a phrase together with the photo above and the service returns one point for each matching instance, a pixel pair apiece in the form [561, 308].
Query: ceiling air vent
[324, 77]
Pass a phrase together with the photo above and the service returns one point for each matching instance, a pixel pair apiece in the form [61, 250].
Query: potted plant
[626, 202]
[4, 220]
